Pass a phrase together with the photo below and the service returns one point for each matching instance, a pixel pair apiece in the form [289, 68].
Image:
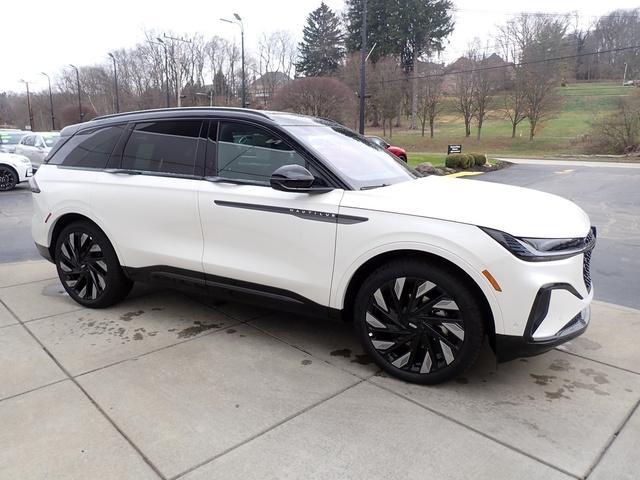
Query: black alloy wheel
[420, 324]
[8, 178]
[88, 266]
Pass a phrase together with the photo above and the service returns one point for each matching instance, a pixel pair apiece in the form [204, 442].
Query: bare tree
[465, 93]
[514, 101]
[387, 91]
[430, 103]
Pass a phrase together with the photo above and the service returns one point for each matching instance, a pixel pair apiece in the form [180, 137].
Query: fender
[339, 287]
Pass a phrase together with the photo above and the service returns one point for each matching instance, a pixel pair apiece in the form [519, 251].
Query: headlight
[542, 249]
[25, 160]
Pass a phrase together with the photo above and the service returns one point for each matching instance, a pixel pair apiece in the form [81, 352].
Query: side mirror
[295, 178]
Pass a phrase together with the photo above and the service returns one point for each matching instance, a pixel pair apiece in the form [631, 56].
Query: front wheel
[419, 322]
[8, 178]
[88, 266]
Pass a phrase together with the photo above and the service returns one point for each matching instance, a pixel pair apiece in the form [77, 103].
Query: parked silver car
[36, 146]
[9, 138]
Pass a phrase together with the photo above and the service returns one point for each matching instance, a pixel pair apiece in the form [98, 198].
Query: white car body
[310, 247]
[19, 163]
[36, 146]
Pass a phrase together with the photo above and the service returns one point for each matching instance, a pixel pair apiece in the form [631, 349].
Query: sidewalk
[168, 386]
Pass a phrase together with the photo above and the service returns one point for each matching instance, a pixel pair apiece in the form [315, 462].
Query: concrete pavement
[167, 386]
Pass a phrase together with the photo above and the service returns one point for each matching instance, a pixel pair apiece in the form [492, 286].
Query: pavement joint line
[597, 361]
[479, 432]
[27, 283]
[311, 354]
[612, 439]
[267, 430]
[159, 349]
[89, 397]
[10, 325]
[33, 389]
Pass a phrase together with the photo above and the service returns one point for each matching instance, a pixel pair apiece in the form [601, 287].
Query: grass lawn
[566, 133]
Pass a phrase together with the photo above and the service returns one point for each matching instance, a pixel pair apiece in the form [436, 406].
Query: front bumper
[44, 252]
[509, 347]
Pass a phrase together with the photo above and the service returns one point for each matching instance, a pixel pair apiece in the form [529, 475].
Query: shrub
[479, 159]
[456, 160]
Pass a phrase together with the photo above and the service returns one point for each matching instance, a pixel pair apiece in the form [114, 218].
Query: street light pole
[53, 117]
[115, 81]
[178, 66]
[79, 92]
[241, 25]
[166, 67]
[363, 63]
[29, 104]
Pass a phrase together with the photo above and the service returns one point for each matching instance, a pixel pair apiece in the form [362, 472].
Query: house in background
[263, 89]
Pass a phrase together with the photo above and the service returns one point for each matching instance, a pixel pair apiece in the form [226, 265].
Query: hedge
[459, 160]
[479, 159]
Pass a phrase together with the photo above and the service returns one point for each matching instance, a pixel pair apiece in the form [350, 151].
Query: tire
[403, 158]
[88, 266]
[8, 178]
[438, 332]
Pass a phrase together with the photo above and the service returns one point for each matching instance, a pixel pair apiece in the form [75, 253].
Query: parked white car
[14, 169]
[9, 138]
[36, 146]
[304, 214]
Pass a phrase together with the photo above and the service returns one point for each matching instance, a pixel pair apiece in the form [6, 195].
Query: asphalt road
[611, 198]
[610, 195]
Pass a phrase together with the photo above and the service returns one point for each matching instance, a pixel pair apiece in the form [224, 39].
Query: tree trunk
[479, 129]
[431, 127]
[513, 130]
[390, 127]
[423, 122]
[532, 129]
[414, 92]
[384, 127]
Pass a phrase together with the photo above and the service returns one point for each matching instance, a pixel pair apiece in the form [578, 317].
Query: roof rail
[180, 109]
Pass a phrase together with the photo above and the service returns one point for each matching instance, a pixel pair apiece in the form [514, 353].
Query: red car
[401, 153]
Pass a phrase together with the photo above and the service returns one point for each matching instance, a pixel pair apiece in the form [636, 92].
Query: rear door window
[163, 146]
[89, 148]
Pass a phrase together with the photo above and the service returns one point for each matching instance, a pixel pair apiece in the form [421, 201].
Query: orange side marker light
[494, 283]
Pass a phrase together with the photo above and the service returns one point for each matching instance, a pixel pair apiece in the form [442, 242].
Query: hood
[521, 212]
[13, 157]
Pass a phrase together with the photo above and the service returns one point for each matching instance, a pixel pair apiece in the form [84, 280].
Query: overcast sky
[47, 35]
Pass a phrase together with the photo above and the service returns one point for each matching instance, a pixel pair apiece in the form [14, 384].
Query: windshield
[378, 141]
[50, 140]
[362, 163]
[11, 138]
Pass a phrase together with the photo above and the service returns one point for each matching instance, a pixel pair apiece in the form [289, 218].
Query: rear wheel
[8, 178]
[419, 322]
[88, 266]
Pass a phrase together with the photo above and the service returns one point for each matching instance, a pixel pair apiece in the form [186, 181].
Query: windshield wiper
[370, 187]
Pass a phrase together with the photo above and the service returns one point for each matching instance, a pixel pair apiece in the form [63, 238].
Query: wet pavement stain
[362, 359]
[345, 352]
[231, 330]
[599, 377]
[588, 344]
[560, 365]
[462, 380]
[196, 329]
[557, 395]
[586, 386]
[157, 309]
[127, 317]
[542, 379]
[306, 362]
[54, 290]
[137, 336]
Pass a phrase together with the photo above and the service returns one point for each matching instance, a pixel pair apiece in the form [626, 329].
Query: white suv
[304, 214]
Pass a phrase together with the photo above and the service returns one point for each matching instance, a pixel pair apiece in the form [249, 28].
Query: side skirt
[230, 289]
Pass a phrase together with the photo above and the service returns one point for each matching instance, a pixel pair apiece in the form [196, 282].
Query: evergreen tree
[321, 49]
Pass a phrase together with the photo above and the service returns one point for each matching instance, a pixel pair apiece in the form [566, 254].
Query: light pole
[53, 117]
[178, 66]
[115, 81]
[363, 64]
[241, 25]
[209, 95]
[79, 92]
[29, 104]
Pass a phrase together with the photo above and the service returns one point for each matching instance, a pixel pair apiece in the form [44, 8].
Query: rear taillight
[34, 185]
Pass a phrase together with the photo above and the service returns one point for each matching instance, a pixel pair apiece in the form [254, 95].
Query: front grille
[586, 263]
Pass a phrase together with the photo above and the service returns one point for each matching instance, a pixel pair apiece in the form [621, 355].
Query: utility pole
[624, 77]
[79, 92]
[115, 82]
[241, 25]
[363, 64]
[53, 117]
[30, 110]
[178, 66]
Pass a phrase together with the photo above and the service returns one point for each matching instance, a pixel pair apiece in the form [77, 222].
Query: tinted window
[29, 140]
[89, 149]
[10, 138]
[247, 152]
[50, 140]
[168, 147]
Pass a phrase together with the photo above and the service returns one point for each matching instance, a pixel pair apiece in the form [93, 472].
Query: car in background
[36, 146]
[9, 138]
[14, 169]
[401, 153]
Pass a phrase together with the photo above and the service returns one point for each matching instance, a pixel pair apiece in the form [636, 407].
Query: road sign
[454, 149]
